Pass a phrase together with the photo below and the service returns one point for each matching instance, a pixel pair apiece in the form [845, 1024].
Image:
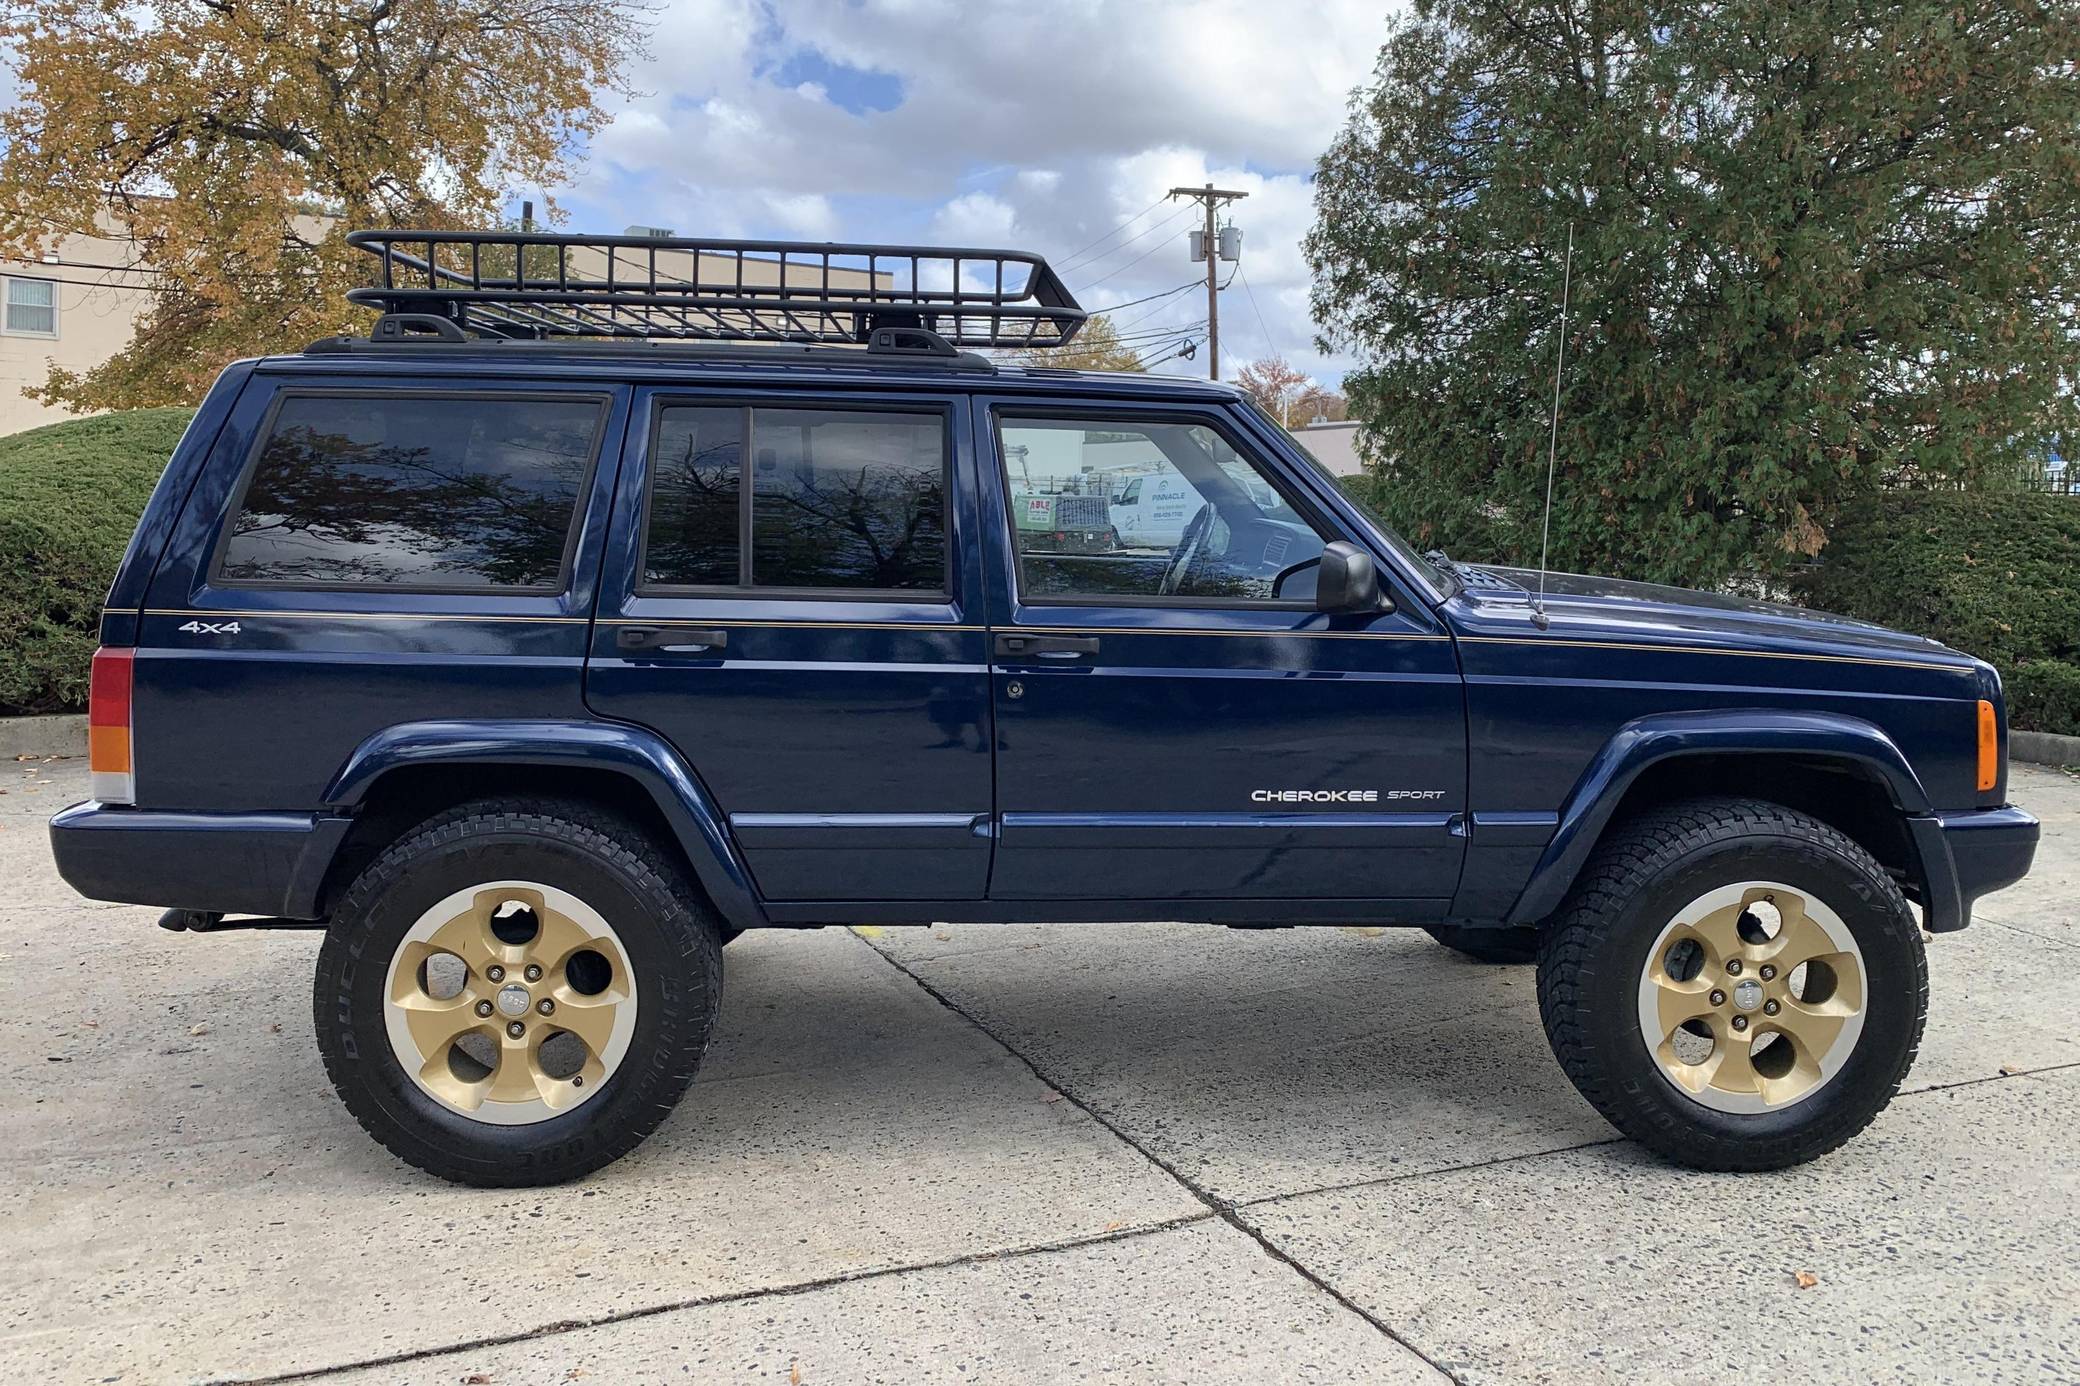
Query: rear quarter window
[438, 492]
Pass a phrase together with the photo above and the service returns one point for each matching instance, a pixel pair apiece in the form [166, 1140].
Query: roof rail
[909, 299]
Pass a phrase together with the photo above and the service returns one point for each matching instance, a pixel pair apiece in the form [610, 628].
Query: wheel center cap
[513, 1000]
[1747, 995]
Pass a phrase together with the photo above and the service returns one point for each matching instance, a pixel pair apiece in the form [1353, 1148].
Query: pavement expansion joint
[1222, 1208]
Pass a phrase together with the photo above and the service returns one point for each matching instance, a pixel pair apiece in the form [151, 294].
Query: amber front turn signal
[1989, 747]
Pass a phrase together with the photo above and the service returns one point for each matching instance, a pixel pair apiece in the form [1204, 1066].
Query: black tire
[1593, 952]
[1504, 947]
[666, 930]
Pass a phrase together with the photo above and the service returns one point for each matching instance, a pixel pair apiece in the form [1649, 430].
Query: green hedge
[69, 496]
[1997, 575]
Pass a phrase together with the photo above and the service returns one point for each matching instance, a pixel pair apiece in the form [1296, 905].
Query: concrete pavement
[1065, 1153]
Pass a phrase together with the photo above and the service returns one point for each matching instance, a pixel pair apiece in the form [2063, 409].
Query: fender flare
[1650, 740]
[639, 754]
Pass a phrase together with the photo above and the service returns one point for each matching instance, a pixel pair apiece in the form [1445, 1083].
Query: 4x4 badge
[210, 628]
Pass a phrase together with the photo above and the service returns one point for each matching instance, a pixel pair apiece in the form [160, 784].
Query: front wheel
[516, 992]
[1735, 985]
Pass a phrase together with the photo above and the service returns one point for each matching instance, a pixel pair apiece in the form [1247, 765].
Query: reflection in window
[418, 491]
[846, 499]
[693, 499]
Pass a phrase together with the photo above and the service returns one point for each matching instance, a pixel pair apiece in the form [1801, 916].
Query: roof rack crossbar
[555, 285]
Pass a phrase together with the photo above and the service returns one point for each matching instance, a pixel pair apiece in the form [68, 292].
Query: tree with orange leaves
[235, 142]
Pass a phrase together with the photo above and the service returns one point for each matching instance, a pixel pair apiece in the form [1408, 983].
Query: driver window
[1102, 511]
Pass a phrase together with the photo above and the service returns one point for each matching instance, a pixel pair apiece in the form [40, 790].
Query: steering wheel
[1181, 557]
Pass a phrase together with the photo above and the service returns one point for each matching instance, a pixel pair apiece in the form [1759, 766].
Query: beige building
[79, 305]
[75, 308]
[1334, 445]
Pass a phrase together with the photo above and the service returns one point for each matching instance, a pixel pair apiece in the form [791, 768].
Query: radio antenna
[1545, 528]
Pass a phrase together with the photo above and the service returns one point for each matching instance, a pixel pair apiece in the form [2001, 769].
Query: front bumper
[1967, 855]
[223, 863]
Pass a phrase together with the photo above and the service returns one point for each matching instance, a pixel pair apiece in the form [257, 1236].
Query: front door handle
[1046, 646]
[677, 639]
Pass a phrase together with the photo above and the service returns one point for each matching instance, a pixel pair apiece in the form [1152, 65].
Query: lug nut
[534, 972]
[516, 1029]
[495, 973]
[578, 1081]
[1718, 998]
[1740, 1022]
[1769, 972]
[483, 1008]
[1770, 1008]
[1733, 968]
[548, 1007]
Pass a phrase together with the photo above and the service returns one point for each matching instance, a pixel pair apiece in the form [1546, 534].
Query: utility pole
[1212, 197]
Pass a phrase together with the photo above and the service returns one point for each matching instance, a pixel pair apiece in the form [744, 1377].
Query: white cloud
[1033, 126]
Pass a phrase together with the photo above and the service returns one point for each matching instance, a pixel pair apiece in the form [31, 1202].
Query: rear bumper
[227, 863]
[1967, 855]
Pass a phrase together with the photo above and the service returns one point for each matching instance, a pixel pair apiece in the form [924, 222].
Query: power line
[1261, 325]
[1087, 262]
[1127, 266]
[1115, 230]
[1192, 283]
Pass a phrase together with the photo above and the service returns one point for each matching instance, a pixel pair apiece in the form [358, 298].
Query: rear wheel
[516, 992]
[1735, 985]
[1502, 946]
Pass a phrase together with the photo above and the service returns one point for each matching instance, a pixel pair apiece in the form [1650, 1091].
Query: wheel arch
[404, 774]
[1842, 770]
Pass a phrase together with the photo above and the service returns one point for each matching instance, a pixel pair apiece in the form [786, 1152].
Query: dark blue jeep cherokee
[534, 651]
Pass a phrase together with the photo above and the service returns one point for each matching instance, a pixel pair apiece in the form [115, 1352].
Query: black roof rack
[530, 285]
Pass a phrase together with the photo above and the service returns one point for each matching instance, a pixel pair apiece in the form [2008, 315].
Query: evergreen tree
[1820, 248]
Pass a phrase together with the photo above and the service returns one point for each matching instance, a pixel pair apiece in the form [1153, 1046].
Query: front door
[785, 600]
[1175, 721]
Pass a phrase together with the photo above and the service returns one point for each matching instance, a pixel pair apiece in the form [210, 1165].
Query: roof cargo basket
[528, 285]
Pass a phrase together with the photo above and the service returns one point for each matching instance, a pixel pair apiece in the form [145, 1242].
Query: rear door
[1175, 720]
[787, 598]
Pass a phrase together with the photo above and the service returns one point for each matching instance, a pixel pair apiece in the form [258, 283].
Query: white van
[1151, 511]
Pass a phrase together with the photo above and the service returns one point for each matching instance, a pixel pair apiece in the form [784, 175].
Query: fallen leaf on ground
[1052, 1097]
[867, 930]
[199, 1029]
[275, 1028]
[2009, 1070]
[476, 1379]
[794, 1374]
[1806, 1279]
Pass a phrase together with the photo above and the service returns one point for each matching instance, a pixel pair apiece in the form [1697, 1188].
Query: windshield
[1441, 585]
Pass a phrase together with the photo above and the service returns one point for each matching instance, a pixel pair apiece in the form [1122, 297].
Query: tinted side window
[694, 490]
[414, 491]
[842, 499]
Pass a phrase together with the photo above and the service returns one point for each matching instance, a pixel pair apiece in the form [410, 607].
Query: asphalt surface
[1154, 1152]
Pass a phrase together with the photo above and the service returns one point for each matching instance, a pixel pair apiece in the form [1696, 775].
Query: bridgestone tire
[672, 948]
[1503, 947]
[1593, 953]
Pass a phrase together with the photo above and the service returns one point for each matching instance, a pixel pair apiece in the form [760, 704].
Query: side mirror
[1348, 581]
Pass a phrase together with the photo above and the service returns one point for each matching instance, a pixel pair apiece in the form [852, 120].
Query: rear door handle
[675, 639]
[1046, 646]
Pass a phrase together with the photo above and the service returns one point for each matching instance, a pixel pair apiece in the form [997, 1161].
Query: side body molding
[640, 755]
[1650, 740]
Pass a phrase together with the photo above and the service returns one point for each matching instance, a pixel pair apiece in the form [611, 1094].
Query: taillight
[108, 727]
[1989, 747]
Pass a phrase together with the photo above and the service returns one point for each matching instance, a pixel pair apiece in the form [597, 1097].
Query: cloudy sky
[1050, 125]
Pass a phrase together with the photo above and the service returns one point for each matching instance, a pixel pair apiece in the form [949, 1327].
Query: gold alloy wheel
[1752, 997]
[510, 1002]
